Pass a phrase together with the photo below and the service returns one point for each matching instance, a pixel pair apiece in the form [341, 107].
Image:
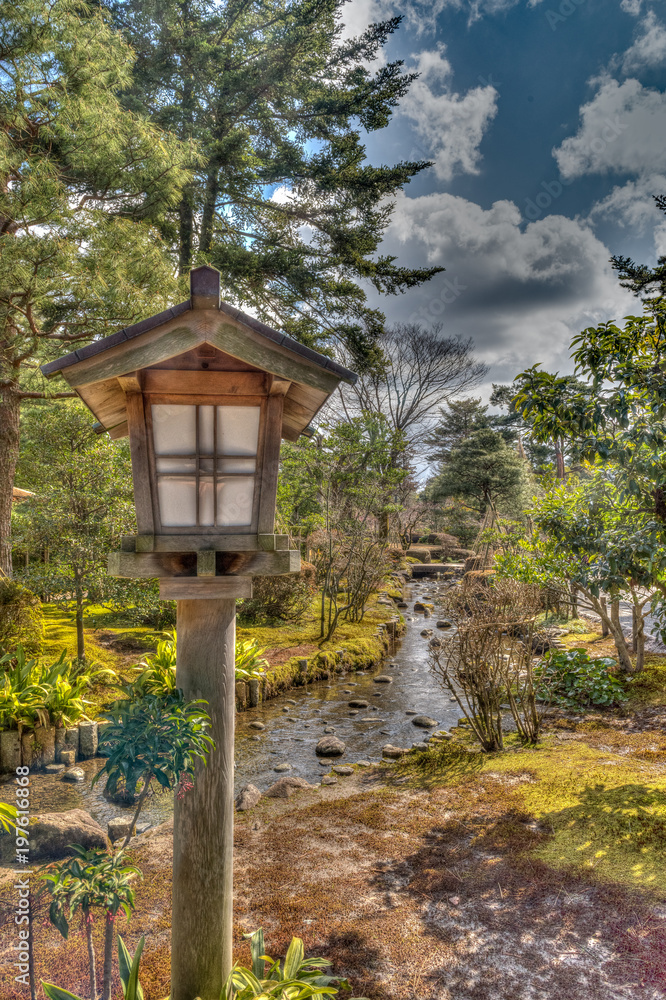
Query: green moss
[649, 687]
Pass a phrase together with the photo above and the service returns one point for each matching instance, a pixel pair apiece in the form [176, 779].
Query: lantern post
[205, 393]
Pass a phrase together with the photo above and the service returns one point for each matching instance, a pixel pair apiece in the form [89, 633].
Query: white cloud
[649, 47]
[622, 130]
[422, 15]
[632, 204]
[632, 7]
[450, 125]
[521, 293]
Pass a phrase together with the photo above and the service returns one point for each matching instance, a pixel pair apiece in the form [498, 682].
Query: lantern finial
[205, 287]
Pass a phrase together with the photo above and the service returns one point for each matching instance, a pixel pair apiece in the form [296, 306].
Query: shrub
[486, 661]
[21, 618]
[158, 672]
[250, 663]
[277, 599]
[572, 679]
[32, 693]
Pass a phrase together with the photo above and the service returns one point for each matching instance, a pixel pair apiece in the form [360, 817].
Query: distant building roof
[18, 494]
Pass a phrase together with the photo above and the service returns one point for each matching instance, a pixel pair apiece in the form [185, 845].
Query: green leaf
[57, 993]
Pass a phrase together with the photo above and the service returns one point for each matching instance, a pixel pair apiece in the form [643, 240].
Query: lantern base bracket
[215, 565]
[205, 588]
[204, 543]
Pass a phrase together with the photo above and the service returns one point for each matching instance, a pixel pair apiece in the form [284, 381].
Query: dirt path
[412, 892]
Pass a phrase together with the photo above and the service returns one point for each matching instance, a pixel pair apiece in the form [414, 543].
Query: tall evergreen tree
[82, 184]
[284, 203]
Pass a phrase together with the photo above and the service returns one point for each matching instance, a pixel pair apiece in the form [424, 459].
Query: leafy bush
[21, 618]
[32, 693]
[277, 599]
[298, 978]
[250, 663]
[572, 679]
[158, 676]
[137, 603]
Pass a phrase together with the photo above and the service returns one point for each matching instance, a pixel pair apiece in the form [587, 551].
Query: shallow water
[295, 723]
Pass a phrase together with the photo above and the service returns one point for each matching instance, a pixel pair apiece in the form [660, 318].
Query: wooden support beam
[205, 588]
[270, 465]
[205, 383]
[206, 563]
[143, 500]
[144, 565]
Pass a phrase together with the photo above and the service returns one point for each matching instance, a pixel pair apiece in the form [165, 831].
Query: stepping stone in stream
[424, 721]
[382, 679]
[343, 769]
[358, 703]
[411, 711]
[329, 729]
[282, 767]
[257, 725]
[330, 746]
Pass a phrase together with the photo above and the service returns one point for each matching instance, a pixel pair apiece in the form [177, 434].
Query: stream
[295, 722]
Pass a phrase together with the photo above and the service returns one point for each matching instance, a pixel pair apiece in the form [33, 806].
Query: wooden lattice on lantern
[206, 393]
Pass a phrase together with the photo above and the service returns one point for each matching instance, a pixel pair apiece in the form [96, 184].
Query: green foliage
[83, 502]
[158, 677]
[276, 100]
[92, 879]
[572, 679]
[34, 693]
[21, 618]
[250, 663]
[137, 603]
[8, 814]
[298, 978]
[279, 599]
[484, 471]
[153, 738]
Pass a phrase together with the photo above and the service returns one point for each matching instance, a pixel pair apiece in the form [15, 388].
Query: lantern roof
[202, 332]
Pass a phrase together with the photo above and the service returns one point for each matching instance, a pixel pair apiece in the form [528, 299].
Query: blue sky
[546, 120]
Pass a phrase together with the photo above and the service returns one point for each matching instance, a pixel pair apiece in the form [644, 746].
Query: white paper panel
[176, 464]
[248, 465]
[206, 419]
[174, 429]
[234, 501]
[206, 508]
[178, 501]
[237, 430]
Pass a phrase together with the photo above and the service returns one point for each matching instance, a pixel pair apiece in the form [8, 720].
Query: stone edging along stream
[53, 749]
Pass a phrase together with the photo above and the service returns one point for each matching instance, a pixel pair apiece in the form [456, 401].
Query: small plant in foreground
[298, 978]
[34, 693]
[128, 968]
[152, 738]
[158, 676]
[250, 663]
[572, 679]
[91, 880]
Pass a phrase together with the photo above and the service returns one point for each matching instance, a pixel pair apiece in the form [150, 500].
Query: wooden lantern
[206, 393]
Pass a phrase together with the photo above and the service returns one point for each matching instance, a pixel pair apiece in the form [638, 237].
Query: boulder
[10, 750]
[426, 632]
[330, 746]
[393, 752]
[444, 623]
[53, 768]
[424, 721]
[88, 739]
[257, 725]
[119, 827]
[282, 767]
[285, 787]
[51, 834]
[419, 746]
[247, 798]
[67, 756]
[328, 779]
[383, 679]
[358, 703]
[343, 769]
[74, 774]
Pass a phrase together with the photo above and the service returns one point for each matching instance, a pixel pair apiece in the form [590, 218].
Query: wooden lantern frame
[202, 352]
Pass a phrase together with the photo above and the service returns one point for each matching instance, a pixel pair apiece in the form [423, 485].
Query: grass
[120, 647]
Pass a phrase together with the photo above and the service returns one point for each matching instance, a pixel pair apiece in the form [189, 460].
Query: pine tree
[284, 204]
[83, 185]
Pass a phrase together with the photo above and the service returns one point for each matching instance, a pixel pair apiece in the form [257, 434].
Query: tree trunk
[559, 458]
[604, 625]
[80, 639]
[108, 956]
[208, 215]
[626, 665]
[87, 916]
[201, 935]
[573, 591]
[384, 525]
[10, 408]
